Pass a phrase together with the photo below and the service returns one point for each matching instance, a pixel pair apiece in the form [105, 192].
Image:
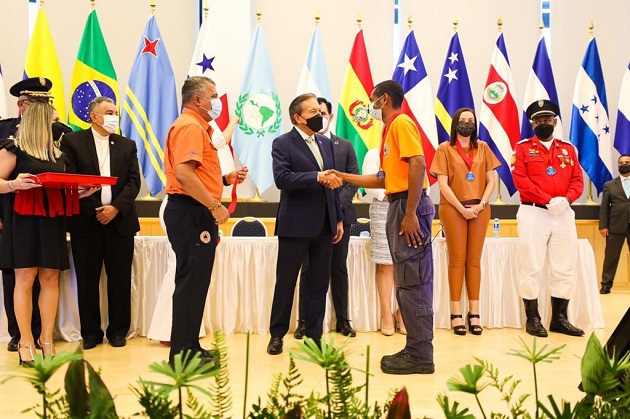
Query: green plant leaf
[101, 401]
[453, 412]
[469, 382]
[76, 391]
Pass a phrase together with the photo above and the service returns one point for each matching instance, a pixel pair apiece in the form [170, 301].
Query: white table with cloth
[243, 278]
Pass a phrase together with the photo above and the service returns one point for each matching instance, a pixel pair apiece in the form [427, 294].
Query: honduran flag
[411, 74]
[353, 119]
[622, 130]
[590, 129]
[498, 120]
[540, 85]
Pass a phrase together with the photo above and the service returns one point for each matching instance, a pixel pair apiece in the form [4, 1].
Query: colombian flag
[93, 74]
[354, 121]
[42, 61]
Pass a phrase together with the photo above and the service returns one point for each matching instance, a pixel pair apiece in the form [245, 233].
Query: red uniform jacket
[532, 165]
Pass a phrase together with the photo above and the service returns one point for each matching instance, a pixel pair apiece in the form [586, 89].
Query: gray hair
[95, 103]
[296, 105]
[194, 86]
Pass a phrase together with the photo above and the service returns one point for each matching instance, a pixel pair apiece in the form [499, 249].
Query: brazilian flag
[93, 74]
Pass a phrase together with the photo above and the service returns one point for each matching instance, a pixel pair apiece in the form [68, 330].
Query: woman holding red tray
[33, 240]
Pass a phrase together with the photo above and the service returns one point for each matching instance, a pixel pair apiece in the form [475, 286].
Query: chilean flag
[498, 122]
[418, 103]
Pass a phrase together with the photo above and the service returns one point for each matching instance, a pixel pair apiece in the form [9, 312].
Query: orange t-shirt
[447, 161]
[401, 142]
[189, 140]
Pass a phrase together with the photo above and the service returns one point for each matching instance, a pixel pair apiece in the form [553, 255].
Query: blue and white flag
[150, 105]
[622, 130]
[590, 130]
[314, 77]
[4, 112]
[540, 85]
[258, 107]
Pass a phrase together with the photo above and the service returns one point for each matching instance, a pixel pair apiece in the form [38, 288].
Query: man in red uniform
[549, 178]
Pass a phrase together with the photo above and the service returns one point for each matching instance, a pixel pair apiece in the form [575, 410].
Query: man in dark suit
[345, 161]
[614, 220]
[104, 230]
[27, 91]
[309, 218]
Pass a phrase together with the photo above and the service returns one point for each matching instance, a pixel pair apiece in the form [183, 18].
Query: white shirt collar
[98, 136]
[303, 134]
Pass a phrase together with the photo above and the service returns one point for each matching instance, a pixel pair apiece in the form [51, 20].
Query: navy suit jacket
[304, 203]
[346, 161]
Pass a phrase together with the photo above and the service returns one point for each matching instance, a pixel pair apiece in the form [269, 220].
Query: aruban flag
[540, 85]
[314, 77]
[498, 121]
[622, 131]
[42, 61]
[590, 130]
[411, 74]
[150, 105]
[353, 119]
[93, 74]
[454, 91]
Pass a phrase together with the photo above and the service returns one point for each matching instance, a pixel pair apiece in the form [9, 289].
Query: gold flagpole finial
[359, 20]
[152, 4]
[318, 16]
[455, 23]
[41, 3]
[410, 22]
[500, 24]
[591, 28]
[258, 15]
[541, 25]
[93, 4]
[206, 9]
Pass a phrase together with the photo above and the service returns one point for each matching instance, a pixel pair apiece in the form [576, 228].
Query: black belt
[533, 204]
[400, 195]
[187, 199]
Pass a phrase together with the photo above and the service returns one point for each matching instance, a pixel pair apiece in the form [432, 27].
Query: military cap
[34, 86]
[542, 107]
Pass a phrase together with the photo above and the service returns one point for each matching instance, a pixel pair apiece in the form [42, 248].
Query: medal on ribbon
[551, 171]
[380, 175]
[468, 159]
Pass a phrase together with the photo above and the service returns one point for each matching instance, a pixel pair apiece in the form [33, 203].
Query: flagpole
[152, 5]
[256, 197]
[93, 3]
[206, 9]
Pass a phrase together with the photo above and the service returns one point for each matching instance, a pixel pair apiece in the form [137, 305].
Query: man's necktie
[310, 141]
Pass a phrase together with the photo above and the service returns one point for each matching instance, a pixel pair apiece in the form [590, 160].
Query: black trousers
[291, 253]
[193, 234]
[614, 244]
[338, 278]
[106, 246]
[8, 288]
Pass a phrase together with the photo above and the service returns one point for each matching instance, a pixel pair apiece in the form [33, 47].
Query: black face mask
[544, 131]
[624, 169]
[315, 123]
[465, 129]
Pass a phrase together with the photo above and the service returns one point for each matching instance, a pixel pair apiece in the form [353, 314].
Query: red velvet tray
[62, 180]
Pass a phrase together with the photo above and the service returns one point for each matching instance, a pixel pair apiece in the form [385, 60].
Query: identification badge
[551, 171]
[470, 176]
[380, 175]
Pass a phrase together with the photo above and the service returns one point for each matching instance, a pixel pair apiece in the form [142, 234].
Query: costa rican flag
[499, 116]
[411, 74]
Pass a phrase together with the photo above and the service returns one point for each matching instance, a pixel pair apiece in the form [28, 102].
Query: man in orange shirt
[409, 217]
[194, 185]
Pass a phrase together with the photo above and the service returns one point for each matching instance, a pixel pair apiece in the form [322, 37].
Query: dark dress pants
[291, 253]
[104, 245]
[338, 278]
[614, 244]
[193, 234]
[413, 277]
[8, 288]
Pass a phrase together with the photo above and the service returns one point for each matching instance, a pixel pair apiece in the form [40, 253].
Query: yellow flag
[42, 61]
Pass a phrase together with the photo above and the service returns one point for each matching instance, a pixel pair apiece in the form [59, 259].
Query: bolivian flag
[93, 74]
[42, 61]
[353, 119]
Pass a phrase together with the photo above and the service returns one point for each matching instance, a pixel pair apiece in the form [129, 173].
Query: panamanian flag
[590, 129]
[540, 85]
[411, 74]
[622, 130]
[498, 120]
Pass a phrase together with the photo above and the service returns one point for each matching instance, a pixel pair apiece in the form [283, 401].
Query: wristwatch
[483, 203]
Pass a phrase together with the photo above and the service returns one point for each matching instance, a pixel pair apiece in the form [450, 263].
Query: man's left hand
[410, 227]
[339, 234]
[239, 174]
[106, 213]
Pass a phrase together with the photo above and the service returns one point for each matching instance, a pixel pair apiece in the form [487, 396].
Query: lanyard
[468, 159]
[383, 136]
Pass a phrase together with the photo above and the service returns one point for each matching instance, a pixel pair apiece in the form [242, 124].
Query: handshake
[557, 205]
[331, 179]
